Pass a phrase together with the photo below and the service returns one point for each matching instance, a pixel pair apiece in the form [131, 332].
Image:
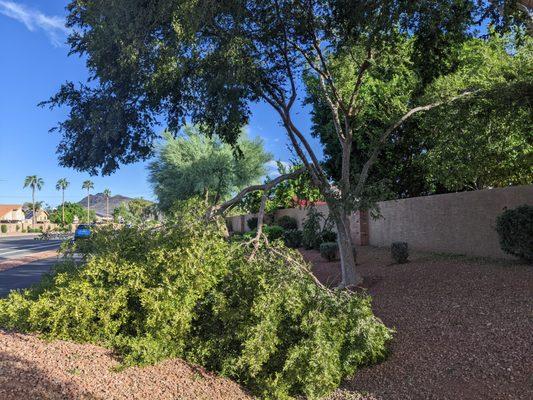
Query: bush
[311, 234]
[515, 229]
[329, 250]
[287, 222]
[17, 228]
[400, 252]
[252, 223]
[328, 236]
[3, 228]
[293, 238]
[185, 291]
[273, 232]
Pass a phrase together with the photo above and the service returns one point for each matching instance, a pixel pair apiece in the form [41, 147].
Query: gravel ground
[464, 327]
[33, 369]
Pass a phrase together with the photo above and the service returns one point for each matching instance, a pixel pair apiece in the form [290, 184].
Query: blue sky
[33, 64]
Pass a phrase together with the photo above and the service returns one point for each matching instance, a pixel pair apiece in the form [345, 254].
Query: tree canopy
[475, 142]
[194, 164]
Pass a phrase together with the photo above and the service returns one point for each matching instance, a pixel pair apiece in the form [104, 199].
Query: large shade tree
[474, 143]
[208, 60]
[194, 164]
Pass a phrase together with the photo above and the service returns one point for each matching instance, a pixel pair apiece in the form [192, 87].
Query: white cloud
[272, 168]
[34, 20]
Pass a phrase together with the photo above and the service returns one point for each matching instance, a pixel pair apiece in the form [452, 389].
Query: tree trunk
[347, 253]
[63, 208]
[88, 206]
[107, 206]
[33, 207]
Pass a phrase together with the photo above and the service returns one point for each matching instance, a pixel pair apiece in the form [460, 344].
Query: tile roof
[5, 208]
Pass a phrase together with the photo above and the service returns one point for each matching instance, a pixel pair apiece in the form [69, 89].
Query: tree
[448, 147]
[62, 184]
[135, 211]
[197, 165]
[107, 194]
[207, 61]
[88, 185]
[484, 142]
[34, 182]
[68, 212]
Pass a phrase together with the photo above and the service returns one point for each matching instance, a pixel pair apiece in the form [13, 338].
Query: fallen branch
[254, 188]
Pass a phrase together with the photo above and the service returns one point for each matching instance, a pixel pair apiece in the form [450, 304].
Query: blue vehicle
[82, 232]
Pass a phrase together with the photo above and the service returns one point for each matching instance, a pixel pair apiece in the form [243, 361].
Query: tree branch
[254, 188]
[372, 159]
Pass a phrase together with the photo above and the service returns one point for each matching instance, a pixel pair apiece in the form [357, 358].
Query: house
[40, 216]
[11, 213]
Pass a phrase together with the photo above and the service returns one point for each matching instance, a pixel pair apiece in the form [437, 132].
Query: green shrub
[17, 228]
[328, 236]
[329, 250]
[515, 229]
[273, 232]
[293, 238]
[3, 228]
[252, 223]
[287, 222]
[311, 234]
[400, 252]
[185, 291]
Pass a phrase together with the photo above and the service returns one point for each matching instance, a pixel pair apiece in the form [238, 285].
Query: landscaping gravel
[464, 327]
[33, 369]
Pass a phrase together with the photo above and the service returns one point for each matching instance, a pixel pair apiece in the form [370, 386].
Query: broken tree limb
[254, 188]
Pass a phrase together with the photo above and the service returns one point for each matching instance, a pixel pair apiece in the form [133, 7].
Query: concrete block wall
[454, 223]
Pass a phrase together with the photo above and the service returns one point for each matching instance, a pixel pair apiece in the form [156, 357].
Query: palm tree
[88, 185]
[107, 194]
[62, 184]
[34, 182]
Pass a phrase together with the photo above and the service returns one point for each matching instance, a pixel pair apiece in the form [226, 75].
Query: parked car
[82, 232]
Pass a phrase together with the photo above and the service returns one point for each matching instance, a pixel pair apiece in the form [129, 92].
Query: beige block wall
[456, 223]
[360, 237]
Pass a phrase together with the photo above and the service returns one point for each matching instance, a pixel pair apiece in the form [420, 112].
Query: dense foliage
[515, 229]
[287, 222]
[185, 291]
[477, 142]
[194, 164]
[135, 211]
[293, 238]
[72, 210]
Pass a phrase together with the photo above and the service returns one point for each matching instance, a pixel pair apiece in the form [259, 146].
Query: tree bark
[347, 252]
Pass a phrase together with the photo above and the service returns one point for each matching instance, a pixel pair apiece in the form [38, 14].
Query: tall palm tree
[34, 182]
[107, 194]
[62, 184]
[88, 185]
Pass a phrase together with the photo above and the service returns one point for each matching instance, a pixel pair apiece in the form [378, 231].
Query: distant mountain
[98, 203]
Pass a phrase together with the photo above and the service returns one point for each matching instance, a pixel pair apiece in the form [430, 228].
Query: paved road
[20, 246]
[24, 275]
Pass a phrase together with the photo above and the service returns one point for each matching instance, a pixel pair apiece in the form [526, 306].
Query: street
[25, 275]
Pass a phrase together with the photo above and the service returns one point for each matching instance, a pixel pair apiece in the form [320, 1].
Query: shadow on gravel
[21, 379]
